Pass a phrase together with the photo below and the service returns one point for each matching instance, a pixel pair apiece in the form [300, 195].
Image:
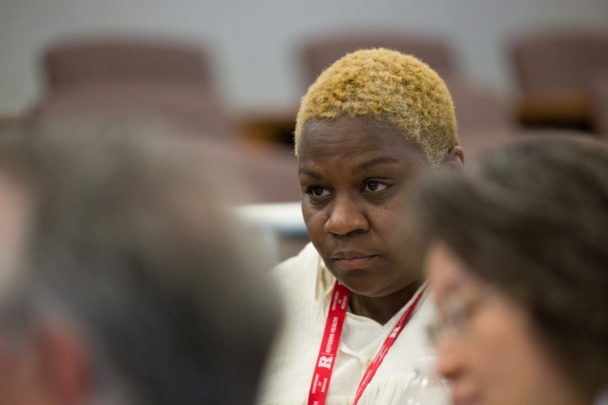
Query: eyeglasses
[455, 319]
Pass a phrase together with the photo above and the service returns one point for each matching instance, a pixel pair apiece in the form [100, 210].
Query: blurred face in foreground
[353, 174]
[15, 211]
[486, 343]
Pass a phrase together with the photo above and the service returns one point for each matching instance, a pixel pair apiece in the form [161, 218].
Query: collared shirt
[306, 286]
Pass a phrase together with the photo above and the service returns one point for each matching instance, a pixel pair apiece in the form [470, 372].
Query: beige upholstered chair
[171, 81]
[559, 61]
[318, 54]
[159, 81]
[554, 71]
[115, 60]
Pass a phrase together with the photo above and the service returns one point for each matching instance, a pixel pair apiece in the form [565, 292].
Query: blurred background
[234, 70]
[255, 44]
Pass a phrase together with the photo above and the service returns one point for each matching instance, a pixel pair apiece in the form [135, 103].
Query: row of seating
[558, 73]
[168, 83]
[563, 79]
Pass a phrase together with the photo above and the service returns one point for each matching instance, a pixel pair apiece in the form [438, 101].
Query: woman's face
[353, 173]
[486, 345]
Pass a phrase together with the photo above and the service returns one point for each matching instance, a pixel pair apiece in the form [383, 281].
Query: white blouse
[306, 287]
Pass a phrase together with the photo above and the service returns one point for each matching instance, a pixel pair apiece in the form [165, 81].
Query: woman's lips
[355, 262]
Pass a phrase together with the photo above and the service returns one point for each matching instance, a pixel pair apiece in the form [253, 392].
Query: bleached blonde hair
[386, 85]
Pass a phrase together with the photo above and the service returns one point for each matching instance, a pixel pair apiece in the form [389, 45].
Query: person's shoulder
[307, 258]
[298, 271]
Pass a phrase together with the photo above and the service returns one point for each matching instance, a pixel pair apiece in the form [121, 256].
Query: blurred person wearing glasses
[122, 280]
[517, 258]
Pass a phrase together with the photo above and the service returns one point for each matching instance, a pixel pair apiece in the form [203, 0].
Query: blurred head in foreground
[122, 280]
[518, 261]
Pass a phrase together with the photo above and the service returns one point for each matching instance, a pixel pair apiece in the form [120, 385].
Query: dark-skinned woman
[355, 298]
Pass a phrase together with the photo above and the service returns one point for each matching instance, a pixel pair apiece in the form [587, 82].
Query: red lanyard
[331, 340]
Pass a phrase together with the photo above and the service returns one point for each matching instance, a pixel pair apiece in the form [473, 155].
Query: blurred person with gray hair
[122, 281]
[517, 259]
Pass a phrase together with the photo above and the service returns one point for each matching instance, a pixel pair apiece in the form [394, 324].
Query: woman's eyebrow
[311, 173]
[373, 162]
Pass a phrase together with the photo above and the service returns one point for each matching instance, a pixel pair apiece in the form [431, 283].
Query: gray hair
[532, 219]
[130, 241]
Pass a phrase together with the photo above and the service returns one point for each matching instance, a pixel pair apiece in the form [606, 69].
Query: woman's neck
[382, 309]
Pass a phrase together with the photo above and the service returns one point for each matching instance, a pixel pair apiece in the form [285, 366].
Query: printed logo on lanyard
[331, 340]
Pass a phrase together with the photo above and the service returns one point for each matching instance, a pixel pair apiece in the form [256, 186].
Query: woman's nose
[345, 217]
[450, 360]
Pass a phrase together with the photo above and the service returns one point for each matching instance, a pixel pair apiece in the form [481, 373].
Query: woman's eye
[318, 192]
[373, 186]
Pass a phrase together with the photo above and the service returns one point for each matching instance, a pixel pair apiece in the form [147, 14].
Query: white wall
[255, 41]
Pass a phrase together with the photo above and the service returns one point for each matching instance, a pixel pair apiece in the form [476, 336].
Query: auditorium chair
[318, 53]
[553, 70]
[173, 81]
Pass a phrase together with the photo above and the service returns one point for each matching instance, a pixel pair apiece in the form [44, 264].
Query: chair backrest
[194, 108]
[101, 77]
[479, 108]
[103, 60]
[318, 54]
[559, 61]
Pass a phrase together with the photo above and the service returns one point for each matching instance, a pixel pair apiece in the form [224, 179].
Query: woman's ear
[454, 159]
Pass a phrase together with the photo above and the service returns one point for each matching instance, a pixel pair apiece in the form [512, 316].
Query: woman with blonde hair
[355, 299]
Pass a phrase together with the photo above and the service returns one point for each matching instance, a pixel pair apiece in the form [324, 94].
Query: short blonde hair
[387, 85]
